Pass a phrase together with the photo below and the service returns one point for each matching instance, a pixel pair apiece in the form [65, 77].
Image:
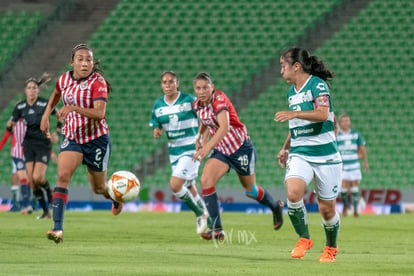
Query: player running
[174, 114]
[310, 151]
[231, 148]
[36, 146]
[84, 93]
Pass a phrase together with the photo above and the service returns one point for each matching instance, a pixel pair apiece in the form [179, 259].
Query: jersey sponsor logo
[297, 132]
[175, 134]
[21, 106]
[321, 86]
[102, 89]
[221, 105]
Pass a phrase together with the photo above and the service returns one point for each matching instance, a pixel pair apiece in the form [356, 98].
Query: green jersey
[313, 141]
[180, 123]
[348, 144]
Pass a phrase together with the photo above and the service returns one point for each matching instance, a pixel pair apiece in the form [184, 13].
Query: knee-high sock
[185, 195]
[25, 191]
[344, 197]
[200, 203]
[298, 217]
[355, 197]
[40, 196]
[212, 204]
[15, 196]
[331, 228]
[262, 196]
[60, 199]
[48, 192]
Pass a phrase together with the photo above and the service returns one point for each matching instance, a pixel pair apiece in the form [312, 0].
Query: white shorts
[186, 168]
[354, 175]
[327, 177]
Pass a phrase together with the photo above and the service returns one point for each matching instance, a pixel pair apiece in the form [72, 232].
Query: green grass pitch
[96, 243]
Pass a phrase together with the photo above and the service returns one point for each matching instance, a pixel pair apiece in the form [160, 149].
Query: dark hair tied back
[310, 64]
[43, 80]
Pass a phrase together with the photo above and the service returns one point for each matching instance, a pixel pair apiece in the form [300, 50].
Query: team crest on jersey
[84, 84]
[173, 119]
[65, 143]
[69, 99]
[181, 108]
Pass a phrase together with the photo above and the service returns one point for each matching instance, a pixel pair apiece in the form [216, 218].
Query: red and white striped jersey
[82, 93]
[207, 115]
[18, 133]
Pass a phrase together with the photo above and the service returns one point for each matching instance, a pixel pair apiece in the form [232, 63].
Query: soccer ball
[123, 186]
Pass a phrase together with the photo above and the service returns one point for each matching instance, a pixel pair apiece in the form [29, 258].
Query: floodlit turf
[97, 243]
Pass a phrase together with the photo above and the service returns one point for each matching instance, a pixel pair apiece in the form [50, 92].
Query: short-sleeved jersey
[348, 144]
[313, 141]
[32, 115]
[180, 123]
[82, 93]
[19, 130]
[237, 133]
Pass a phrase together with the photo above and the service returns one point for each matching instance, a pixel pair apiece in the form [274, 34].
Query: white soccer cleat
[202, 223]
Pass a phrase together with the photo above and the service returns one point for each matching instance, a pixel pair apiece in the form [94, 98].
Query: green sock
[331, 228]
[185, 195]
[355, 198]
[344, 198]
[298, 217]
[200, 203]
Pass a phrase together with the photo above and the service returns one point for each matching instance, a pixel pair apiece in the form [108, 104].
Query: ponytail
[310, 64]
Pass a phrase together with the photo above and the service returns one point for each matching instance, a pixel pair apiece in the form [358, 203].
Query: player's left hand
[283, 116]
[200, 154]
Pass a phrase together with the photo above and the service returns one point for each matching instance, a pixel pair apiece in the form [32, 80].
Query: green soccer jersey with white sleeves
[180, 123]
[313, 141]
[348, 143]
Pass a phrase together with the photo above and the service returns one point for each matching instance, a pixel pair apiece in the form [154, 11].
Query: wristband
[9, 129]
[59, 125]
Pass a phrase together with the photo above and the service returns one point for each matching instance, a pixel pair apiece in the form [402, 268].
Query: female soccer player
[231, 148]
[352, 147]
[173, 113]
[36, 146]
[84, 93]
[310, 150]
[19, 179]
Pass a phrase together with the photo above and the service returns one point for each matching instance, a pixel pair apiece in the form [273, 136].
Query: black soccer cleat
[278, 215]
